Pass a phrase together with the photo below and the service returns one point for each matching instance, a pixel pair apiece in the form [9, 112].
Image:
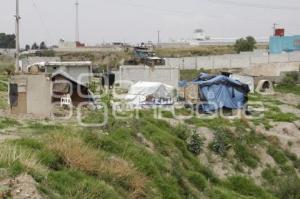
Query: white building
[200, 35]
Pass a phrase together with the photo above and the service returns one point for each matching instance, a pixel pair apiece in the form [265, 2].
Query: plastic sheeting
[245, 80]
[140, 92]
[221, 92]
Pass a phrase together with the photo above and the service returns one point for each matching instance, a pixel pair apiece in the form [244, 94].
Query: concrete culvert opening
[265, 87]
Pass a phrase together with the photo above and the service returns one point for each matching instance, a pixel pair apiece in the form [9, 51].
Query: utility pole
[77, 22]
[17, 16]
[158, 37]
[274, 28]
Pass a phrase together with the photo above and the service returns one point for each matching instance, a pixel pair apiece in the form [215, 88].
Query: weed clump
[195, 144]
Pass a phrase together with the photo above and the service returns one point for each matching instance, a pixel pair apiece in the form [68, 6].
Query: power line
[43, 24]
[256, 5]
[222, 2]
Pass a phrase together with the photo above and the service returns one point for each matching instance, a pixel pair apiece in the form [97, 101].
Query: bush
[247, 44]
[195, 144]
[290, 79]
[220, 144]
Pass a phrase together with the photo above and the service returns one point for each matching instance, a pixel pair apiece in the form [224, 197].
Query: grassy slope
[112, 162]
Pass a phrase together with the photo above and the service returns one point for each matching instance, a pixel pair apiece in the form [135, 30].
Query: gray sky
[139, 20]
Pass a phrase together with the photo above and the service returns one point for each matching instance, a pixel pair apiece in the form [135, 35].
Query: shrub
[247, 44]
[195, 144]
[220, 144]
[290, 79]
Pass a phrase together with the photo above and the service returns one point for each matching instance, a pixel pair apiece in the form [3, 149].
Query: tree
[27, 47]
[43, 46]
[245, 44]
[7, 40]
[34, 46]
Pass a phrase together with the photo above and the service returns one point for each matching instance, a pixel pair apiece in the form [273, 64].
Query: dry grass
[10, 154]
[274, 140]
[76, 154]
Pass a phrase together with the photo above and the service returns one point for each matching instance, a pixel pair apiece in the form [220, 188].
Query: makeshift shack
[68, 90]
[221, 92]
[150, 93]
[245, 80]
[189, 92]
[35, 93]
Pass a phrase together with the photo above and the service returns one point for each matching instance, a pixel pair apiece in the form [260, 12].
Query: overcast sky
[139, 20]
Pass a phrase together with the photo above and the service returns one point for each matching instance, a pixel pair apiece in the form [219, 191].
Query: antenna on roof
[77, 22]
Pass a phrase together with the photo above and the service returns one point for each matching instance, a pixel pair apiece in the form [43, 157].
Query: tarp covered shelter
[221, 92]
[245, 80]
[150, 93]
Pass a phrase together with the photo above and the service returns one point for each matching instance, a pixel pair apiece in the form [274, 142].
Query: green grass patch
[270, 175]
[215, 123]
[247, 187]
[275, 114]
[8, 123]
[244, 155]
[277, 155]
[190, 75]
[75, 184]
[295, 89]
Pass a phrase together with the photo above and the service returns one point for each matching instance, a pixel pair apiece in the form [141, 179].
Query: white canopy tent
[143, 92]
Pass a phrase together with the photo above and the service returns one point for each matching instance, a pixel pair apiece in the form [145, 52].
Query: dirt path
[21, 187]
[288, 98]
[290, 109]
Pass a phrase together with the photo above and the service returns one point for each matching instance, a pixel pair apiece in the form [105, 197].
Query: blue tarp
[221, 92]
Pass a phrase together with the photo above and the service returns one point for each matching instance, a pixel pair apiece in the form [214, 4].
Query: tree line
[8, 41]
[35, 46]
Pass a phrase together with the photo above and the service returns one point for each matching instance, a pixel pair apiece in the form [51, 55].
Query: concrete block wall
[164, 74]
[242, 60]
